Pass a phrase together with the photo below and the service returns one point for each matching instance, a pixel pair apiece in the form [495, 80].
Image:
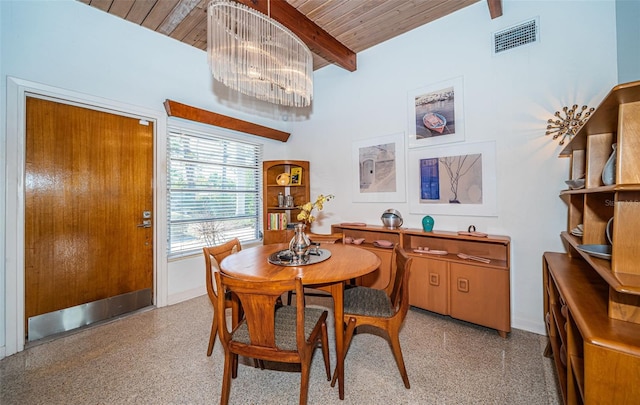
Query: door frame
[17, 91]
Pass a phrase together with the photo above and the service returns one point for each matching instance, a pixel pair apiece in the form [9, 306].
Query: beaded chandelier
[255, 55]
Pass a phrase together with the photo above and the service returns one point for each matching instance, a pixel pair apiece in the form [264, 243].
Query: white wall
[77, 49]
[507, 98]
[3, 162]
[627, 17]
[73, 47]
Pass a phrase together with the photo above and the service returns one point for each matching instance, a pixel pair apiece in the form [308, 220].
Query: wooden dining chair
[268, 331]
[213, 255]
[319, 238]
[384, 309]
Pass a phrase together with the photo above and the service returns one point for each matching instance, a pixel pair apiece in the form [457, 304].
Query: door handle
[145, 224]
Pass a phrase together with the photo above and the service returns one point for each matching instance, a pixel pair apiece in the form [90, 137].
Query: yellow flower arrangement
[306, 209]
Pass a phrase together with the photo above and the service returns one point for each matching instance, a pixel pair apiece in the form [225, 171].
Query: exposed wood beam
[317, 39]
[495, 8]
[175, 109]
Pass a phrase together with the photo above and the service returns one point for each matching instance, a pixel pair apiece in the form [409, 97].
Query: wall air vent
[515, 36]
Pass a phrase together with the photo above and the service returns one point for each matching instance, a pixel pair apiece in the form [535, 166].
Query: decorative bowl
[358, 241]
[609, 231]
[391, 219]
[383, 243]
[599, 251]
[575, 184]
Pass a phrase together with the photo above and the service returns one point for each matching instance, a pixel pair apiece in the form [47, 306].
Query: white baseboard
[186, 295]
[529, 326]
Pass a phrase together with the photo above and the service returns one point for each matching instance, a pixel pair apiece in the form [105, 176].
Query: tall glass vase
[300, 243]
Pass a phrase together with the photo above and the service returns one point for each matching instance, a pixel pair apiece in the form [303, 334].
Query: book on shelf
[277, 222]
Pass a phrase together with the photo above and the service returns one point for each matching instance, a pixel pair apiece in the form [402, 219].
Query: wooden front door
[88, 180]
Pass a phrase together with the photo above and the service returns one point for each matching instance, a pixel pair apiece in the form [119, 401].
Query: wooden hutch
[591, 301]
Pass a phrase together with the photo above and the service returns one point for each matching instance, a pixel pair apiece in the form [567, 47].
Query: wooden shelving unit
[596, 345]
[300, 192]
[468, 290]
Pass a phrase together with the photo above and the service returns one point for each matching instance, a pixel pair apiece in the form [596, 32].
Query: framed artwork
[296, 176]
[379, 169]
[435, 114]
[453, 180]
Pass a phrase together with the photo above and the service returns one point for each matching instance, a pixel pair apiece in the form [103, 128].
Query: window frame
[216, 135]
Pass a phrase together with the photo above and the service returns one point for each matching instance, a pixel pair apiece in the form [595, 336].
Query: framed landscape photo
[453, 180]
[379, 169]
[435, 114]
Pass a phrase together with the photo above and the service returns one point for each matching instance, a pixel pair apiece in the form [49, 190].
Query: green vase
[427, 223]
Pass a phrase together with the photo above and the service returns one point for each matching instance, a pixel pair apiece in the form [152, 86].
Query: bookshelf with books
[287, 178]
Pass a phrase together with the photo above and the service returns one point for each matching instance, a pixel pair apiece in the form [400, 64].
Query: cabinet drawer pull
[463, 285]
[434, 279]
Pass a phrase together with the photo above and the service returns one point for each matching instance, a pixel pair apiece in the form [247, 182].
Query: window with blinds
[213, 190]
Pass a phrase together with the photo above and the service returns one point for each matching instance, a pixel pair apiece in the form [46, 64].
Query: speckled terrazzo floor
[159, 357]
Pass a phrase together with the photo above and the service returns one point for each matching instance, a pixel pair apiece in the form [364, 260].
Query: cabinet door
[610, 376]
[428, 285]
[379, 279]
[480, 295]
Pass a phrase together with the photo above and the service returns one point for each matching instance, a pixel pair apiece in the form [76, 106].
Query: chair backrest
[213, 255]
[400, 291]
[258, 300]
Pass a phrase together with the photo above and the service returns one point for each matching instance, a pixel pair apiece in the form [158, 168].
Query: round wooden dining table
[346, 263]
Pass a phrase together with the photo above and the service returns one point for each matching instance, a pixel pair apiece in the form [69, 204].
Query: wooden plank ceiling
[334, 30]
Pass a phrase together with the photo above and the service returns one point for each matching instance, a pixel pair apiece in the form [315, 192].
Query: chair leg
[226, 378]
[348, 335]
[212, 337]
[304, 381]
[234, 371]
[325, 350]
[289, 294]
[236, 315]
[394, 339]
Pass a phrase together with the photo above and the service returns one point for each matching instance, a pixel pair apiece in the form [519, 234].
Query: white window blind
[213, 190]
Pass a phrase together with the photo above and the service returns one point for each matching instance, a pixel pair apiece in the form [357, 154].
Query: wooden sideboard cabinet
[597, 358]
[592, 302]
[380, 278]
[463, 289]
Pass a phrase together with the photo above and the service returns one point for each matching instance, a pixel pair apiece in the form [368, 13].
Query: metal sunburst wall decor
[566, 126]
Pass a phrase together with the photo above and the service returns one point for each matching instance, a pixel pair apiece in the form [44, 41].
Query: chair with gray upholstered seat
[269, 331]
[384, 309]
